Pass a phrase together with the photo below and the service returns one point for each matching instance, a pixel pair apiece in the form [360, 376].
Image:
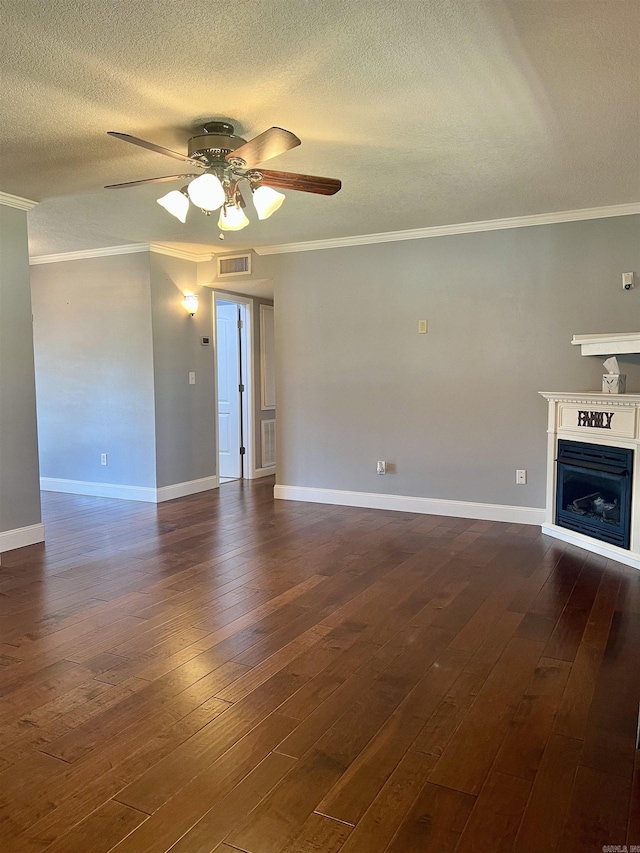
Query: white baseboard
[406, 503]
[128, 493]
[191, 487]
[98, 490]
[262, 472]
[20, 537]
[612, 552]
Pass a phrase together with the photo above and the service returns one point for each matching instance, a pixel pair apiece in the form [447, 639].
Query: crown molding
[107, 251]
[9, 200]
[340, 242]
[460, 228]
[182, 254]
[130, 249]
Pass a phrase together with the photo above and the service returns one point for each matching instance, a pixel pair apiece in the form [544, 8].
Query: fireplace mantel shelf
[615, 344]
[591, 397]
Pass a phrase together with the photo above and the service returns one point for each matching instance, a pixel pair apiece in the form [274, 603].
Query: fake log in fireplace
[593, 490]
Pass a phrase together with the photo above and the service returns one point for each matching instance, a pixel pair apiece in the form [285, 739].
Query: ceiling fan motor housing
[215, 143]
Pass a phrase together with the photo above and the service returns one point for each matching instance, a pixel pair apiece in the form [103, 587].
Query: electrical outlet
[104, 459]
[381, 467]
[192, 377]
[422, 327]
[521, 477]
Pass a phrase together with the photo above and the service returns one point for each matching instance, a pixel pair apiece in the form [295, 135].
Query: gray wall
[94, 369]
[185, 415]
[19, 485]
[456, 410]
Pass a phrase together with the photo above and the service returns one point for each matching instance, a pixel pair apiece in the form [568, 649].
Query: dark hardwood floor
[225, 672]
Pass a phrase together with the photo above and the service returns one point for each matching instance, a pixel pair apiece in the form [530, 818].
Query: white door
[229, 420]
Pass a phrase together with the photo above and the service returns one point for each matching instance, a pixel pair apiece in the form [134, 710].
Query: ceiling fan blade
[266, 145]
[147, 181]
[301, 183]
[125, 137]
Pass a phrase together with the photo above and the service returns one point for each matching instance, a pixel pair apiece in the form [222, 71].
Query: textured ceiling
[429, 112]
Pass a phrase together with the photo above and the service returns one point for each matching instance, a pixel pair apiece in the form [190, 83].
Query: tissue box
[614, 383]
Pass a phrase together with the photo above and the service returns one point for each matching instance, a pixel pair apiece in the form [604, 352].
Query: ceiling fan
[224, 161]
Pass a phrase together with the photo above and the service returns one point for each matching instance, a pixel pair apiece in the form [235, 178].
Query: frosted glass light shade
[175, 203]
[266, 201]
[190, 302]
[232, 218]
[206, 192]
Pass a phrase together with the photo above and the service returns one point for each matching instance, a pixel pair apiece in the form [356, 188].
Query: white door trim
[246, 337]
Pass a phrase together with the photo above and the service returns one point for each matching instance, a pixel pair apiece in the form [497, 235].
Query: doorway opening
[232, 318]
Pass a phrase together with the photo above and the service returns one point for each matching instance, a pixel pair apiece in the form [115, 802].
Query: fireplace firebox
[593, 490]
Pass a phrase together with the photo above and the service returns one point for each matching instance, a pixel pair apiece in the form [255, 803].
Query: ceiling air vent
[230, 265]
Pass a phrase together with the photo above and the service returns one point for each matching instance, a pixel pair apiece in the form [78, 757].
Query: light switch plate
[628, 281]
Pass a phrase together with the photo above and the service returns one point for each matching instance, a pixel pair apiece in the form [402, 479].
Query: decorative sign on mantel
[585, 417]
[599, 420]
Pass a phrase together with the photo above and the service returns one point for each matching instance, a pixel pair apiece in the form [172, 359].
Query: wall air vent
[268, 435]
[230, 265]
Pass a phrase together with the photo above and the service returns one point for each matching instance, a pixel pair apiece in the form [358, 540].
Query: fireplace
[593, 490]
[593, 473]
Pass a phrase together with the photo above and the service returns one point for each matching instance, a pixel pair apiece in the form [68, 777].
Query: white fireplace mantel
[621, 428]
[615, 344]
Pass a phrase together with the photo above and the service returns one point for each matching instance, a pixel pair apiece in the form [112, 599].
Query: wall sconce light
[190, 302]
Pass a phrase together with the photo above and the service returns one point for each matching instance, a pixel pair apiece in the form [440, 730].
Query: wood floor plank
[532, 724]
[598, 811]
[349, 799]
[318, 689]
[319, 834]
[610, 739]
[496, 815]
[543, 819]
[576, 701]
[131, 712]
[466, 761]
[565, 640]
[213, 804]
[228, 672]
[448, 715]
[393, 662]
[101, 831]
[220, 820]
[374, 831]
[281, 816]
[435, 822]
[633, 828]
[90, 783]
[182, 766]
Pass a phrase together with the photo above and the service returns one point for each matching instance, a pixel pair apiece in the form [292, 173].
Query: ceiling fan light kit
[266, 201]
[232, 218]
[206, 192]
[176, 203]
[226, 160]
